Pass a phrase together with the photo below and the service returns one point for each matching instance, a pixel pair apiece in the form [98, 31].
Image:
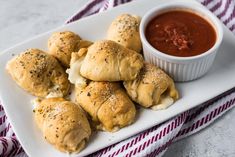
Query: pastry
[125, 31]
[39, 73]
[108, 105]
[107, 60]
[63, 124]
[152, 88]
[62, 44]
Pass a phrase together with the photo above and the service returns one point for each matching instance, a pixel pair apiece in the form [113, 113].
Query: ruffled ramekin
[181, 68]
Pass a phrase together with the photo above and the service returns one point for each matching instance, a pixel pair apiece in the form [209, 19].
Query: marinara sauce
[180, 33]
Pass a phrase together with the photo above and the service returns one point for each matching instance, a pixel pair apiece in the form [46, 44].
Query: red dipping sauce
[180, 33]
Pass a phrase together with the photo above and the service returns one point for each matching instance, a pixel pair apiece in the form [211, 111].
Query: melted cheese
[165, 102]
[74, 73]
[55, 93]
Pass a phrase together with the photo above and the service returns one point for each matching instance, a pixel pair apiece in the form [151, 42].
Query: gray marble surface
[23, 19]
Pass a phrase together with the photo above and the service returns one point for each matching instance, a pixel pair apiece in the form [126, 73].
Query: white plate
[19, 109]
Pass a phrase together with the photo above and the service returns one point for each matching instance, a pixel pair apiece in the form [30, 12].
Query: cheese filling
[164, 102]
[55, 93]
[74, 73]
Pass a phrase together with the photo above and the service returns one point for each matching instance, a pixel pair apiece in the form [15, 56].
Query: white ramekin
[181, 68]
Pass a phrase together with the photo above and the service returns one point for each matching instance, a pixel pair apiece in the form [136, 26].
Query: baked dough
[62, 44]
[107, 60]
[125, 31]
[63, 124]
[152, 88]
[39, 73]
[107, 104]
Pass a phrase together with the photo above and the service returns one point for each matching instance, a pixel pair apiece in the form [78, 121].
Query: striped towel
[156, 140]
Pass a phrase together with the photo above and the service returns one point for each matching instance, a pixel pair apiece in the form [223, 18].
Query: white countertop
[23, 19]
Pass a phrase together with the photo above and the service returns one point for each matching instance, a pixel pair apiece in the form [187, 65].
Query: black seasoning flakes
[106, 60]
[54, 117]
[60, 49]
[88, 94]
[22, 63]
[27, 52]
[61, 39]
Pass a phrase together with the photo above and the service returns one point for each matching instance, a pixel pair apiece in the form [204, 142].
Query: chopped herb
[106, 60]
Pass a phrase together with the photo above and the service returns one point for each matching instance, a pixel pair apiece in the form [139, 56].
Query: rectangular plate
[19, 108]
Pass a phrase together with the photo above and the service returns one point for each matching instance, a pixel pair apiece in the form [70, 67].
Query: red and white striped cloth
[154, 141]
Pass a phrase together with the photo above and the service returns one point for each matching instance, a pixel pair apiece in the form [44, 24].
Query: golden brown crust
[151, 84]
[38, 73]
[107, 104]
[63, 123]
[125, 31]
[62, 44]
[107, 60]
